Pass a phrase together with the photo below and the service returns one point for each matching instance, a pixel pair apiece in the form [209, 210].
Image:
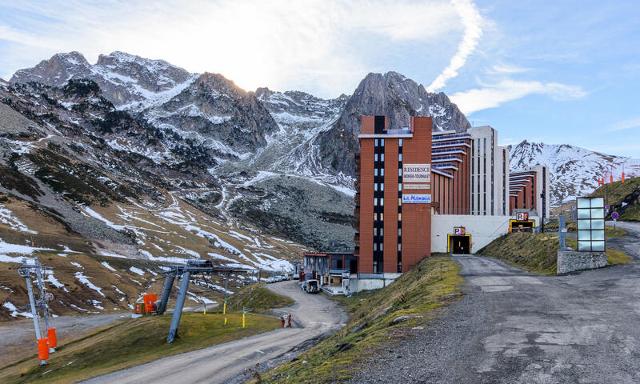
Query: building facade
[451, 172]
[529, 191]
[393, 202]
[489, 173]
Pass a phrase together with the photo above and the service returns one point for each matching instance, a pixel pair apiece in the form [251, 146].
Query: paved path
[17, 338]
[513, 327]
[221, 363]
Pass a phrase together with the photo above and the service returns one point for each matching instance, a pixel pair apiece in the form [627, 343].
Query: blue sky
[557, 72]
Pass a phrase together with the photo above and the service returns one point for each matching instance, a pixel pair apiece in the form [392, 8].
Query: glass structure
[590, 224]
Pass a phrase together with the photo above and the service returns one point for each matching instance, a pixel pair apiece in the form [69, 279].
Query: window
[399, 246]
[399, 216]
[382, 142]
[399, 201]
[399, 156]
[375, 186]
[399, 171]
[400, 142]
[375, 201]
[381, 202]
[382, 157]
[381, 216]
[375, 246]
[375, 217]
[375, 157]
[375, 172]
[382, 172]
[399, 231]
[399, 186]
[376, 142]
[382, 187]
[381, 247]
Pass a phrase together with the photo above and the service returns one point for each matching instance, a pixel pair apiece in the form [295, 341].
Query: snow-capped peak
[574, 170]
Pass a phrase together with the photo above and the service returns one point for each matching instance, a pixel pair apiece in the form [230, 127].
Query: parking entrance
[460, 244]
[521, 226]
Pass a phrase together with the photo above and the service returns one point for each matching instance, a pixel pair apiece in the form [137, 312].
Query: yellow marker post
[224, 310]
[243, 318]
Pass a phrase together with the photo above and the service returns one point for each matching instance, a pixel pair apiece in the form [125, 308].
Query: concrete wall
[483, 229]
[359, 284]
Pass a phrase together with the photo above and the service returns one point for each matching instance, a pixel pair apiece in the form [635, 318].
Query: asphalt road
[513, 327]
[17, 338]
[224, 362]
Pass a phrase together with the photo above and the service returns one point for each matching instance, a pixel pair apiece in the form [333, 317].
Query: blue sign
[422, 198]
[615, 215]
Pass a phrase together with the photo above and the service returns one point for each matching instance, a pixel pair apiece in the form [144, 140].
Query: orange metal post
[52, 337]
[43, 349]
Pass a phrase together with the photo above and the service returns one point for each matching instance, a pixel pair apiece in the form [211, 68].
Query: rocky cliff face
[218, 115]
[391, 95]
[127, 81]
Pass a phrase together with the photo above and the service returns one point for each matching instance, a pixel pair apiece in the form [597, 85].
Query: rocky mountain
[574, 171]
[107, 200]
[259, 154]
[128, 81]
[392, 95]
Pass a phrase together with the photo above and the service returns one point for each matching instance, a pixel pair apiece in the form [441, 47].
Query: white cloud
[625, 125]
[503, 91]
[324, 46]
[472, 21]
[507, 69]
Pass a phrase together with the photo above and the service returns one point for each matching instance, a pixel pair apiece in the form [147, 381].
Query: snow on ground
[200, 299]
[187, 251]
[85, 280]
[137, 271]
[109, 267]
[8, 218]
[98, 216]
[272, 264]
[53, 280]
[14, 311]
[77, 308]
[7, 248]
[77, 265]
[118, 290]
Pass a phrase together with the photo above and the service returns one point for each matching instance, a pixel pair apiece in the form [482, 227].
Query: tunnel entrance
[460, 244]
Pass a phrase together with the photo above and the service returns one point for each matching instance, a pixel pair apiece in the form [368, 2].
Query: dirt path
[514, 327]
[222, 363]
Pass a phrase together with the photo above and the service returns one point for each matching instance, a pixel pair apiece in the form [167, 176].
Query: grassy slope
[617, 191]
[537, 252]
[257, 298]
[433, 283]
[133, 342]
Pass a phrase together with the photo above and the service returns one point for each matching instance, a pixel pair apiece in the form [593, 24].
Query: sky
[563, 72]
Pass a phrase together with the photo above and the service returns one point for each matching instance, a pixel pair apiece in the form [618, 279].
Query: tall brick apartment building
[393, 203]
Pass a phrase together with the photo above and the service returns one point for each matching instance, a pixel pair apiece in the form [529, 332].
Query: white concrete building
[489, 173]
[479, 231]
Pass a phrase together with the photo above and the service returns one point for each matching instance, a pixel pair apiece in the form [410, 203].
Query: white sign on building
[423, 198]
[416, 173]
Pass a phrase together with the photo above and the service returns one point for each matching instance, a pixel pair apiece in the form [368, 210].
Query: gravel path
[513, 327]
[222, 363]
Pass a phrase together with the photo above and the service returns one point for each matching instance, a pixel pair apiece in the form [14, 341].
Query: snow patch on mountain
[574, 171]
